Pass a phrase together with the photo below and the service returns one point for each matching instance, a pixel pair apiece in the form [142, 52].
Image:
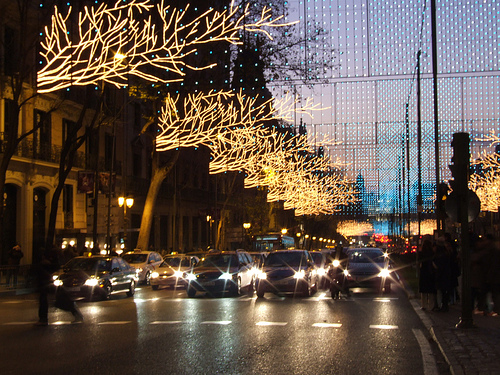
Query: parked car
[145, 262]
[368, 267]
[97, 276]
[287, 271]
[171, 272]
[220, 272]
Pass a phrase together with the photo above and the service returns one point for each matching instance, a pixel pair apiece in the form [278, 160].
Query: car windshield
[366, 256]
[135, 258]
[283, 259]
[176, 262]
[318, 258]
[88, 264]
[219, 260]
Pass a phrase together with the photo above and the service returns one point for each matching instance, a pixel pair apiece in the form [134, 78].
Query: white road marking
[217, 322]
[115, 322]
[18, 323]
[271, 323]
[428, 360]
[166, 322]
[383, 326]
[60, 323]
[327, 325]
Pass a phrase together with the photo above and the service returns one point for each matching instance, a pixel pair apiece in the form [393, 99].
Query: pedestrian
[427, 277]
[479, 270]
[48, 265]
[14, 260]
[442, 265]
[493, 276]
[46, 268]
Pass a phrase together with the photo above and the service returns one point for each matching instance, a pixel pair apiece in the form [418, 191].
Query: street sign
[451, 206]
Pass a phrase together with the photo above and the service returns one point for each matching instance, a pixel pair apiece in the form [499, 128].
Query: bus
[271, 242]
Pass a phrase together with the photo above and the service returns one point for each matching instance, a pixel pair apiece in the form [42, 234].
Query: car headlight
[191, 276]
[346, 272]
[154, 275]
[321, 271]
[262, 275]
[139, 270]
[178, 274]
[54, 277]
[58, 282]
[91, 282]
[226, 276]
[336, 263]
[300, 274]
[384, 273]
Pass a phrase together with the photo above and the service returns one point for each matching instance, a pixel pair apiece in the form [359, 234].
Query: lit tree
[351, 228]
[108, 36]
[487, 183]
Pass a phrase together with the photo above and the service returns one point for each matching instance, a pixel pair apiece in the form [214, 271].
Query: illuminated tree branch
[114, 42]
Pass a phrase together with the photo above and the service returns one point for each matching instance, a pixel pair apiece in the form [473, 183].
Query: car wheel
[147, 278]
[107, 291]
[238, 287]
[191, 292]
[155, 287]
[387, 288]
[131, 289]
[251, 289]
[260, 292]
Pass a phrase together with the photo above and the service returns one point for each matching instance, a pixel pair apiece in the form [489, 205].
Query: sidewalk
[467, 351]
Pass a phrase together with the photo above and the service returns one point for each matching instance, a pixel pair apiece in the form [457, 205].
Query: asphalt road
[164, 332]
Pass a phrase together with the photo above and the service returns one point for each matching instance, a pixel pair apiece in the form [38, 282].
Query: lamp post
[247, 226]
[125, 202]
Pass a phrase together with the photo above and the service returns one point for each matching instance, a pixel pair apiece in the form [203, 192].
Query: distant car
[322, 266]
[287, 271]
[171, 272]
[368, 267]
[145, 262]
[220, 272]
[97, 276]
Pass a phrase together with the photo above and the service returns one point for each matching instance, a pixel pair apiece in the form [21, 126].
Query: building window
[42, 138]
[109, 151]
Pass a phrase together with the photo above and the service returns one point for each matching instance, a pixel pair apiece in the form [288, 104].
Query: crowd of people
[440, 271]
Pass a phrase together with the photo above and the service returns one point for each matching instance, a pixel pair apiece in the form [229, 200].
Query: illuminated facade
[375, 47]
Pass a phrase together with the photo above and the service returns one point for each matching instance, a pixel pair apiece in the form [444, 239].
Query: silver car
[171, 272]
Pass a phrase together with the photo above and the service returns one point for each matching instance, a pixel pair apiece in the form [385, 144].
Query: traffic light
[460, 163]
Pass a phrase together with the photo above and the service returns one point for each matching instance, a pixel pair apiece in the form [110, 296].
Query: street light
[125, 202]
[284, 231]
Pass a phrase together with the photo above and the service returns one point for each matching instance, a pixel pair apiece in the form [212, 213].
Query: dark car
[287, 271]
[368, 267]
[220, 272]
[97, 276]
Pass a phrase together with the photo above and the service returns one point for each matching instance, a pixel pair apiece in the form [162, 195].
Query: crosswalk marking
[166, 322]
[327, 325]
[115, 322]
[271, 323]
[219, 322]
[383, 326]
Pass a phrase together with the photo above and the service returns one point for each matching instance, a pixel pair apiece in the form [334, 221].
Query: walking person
[442, 265]
[14, 260]
[427, 277]
[493, 276]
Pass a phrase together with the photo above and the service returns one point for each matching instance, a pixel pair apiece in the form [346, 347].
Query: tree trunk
[159, 175]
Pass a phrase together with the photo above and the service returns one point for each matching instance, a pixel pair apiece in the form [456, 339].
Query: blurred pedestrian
[442, 265]
[455, 264]
[48, 265]
[14, 260]
[479, 270]
[493, 276]
[427, 277]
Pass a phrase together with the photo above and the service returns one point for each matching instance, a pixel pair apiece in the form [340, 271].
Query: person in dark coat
[46, 268]
[427, 277]
[48, 265]
[442, 265]
[479, 272]
[14, 260]
[493, 276]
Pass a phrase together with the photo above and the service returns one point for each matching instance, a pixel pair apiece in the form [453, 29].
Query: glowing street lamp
[125, 203]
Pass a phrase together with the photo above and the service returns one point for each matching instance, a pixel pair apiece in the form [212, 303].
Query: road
[164, 332]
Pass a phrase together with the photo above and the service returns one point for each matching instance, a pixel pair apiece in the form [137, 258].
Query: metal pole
[436, 127]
